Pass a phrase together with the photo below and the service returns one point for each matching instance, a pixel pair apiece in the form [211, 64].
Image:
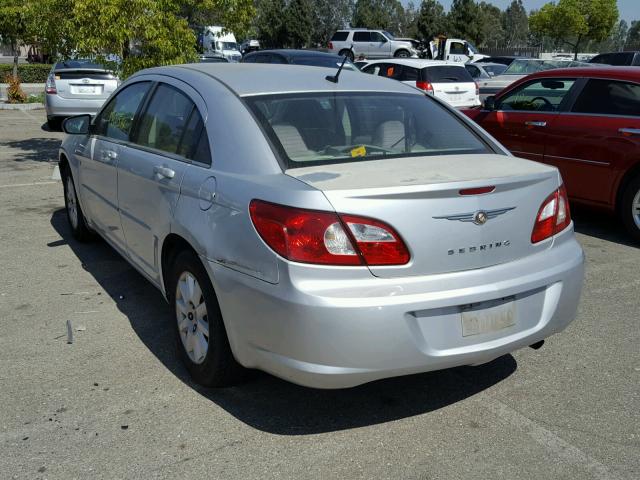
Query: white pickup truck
[454, 50]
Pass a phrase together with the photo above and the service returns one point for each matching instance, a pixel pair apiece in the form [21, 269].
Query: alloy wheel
[192, 317]
[635, 209]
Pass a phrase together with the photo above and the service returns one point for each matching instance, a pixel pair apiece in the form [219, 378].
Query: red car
[586, 122]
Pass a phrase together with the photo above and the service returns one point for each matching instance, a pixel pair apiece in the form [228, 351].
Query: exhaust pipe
[537, 345]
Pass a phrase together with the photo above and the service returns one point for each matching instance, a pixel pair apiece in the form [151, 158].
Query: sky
[629, 9]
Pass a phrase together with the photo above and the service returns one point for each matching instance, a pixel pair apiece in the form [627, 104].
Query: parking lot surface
[116, 403]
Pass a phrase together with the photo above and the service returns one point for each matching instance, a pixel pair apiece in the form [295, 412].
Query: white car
[448, 81]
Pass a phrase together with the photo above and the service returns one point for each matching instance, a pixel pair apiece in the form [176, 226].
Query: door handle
[629, 132]
[165, 172]
[535, 124]
[109, 155]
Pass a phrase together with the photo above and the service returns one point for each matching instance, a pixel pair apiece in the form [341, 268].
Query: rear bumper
[57, 106]
[342, 333]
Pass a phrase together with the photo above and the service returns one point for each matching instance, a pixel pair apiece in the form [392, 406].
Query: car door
[361, 42]
[150, 171]
[523, 116]
[598, 140]
[379, 46]
[98, 173]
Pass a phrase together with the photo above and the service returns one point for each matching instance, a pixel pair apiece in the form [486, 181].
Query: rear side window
[327, 128]
[473, 71]
[163, 123]
[340, 37]
[447, 74]
[361, 37]
[457, 48]
[607, 97]
[116, 119]
[195, 144]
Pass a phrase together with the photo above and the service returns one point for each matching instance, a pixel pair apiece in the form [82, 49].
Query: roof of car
[487, 64]
[623, 73]
[247, 79]
[291, 52]
[418, 62]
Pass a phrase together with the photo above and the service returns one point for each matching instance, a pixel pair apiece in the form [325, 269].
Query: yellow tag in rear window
[359, 152]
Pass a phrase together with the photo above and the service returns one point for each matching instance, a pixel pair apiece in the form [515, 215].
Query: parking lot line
[27, 184]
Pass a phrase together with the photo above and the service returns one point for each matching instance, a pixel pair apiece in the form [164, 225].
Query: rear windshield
[495, 70]
[447, 74]
[339, 36]
[326, 128]
[79, 63]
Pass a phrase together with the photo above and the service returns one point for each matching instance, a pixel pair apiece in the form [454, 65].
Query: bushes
[14, 92]
[28, 72]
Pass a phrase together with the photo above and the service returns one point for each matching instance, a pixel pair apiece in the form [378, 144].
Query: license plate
[488, 317]
[86, 89]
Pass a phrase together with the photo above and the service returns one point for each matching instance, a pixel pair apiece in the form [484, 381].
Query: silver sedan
[329, 231]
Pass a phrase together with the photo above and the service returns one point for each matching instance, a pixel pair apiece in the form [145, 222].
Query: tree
[382, 14]
[431, 20]
[464, 20]
[15, 26]
[573, 22]
[270, 25]
[490, 30]
[329, 16]
[633, 36]
[515, 24]
[298, 22]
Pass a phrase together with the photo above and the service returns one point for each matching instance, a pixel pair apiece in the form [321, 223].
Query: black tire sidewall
[348, 54]
[625, 207]
[82, 231]
[402, 54]
[219, 367]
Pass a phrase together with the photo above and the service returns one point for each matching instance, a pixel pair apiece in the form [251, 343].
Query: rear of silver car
[77, 90]
[438, 260]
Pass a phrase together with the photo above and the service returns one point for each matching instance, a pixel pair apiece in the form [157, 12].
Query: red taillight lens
[426, 86]
[330, 45]
[553, 217]
[50, 87]
[311, 236]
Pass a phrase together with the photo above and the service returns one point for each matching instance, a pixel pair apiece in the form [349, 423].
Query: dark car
[618, 58]
[298, 57]
[212, 59]
[586, 122]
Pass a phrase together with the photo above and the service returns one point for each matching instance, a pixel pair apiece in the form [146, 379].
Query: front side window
[165, 119]
[609, 97]
[538, 96]
[116, 119]
[326, 128]
[377, 37]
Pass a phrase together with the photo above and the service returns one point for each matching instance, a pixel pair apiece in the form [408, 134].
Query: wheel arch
[172, 245]
[627, 178]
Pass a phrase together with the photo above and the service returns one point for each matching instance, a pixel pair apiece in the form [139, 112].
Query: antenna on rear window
[334, 78]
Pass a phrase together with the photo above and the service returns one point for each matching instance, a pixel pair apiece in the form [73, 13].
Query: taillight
[330, 45]
[50, 87]
[553, 217]
[426, 86]
[326, 238]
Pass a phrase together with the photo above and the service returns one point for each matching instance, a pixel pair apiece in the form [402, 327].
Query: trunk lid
[420, 198]
[456, 94]
[85, 83]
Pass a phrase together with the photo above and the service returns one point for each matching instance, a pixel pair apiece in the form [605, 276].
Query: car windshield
[472, 47]
[390, 36]
[227, 45]
[525, 67]
[322, 61]
[326, 128]
[79, 63]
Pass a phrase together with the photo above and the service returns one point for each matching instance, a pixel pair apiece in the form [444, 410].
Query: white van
[214, 42]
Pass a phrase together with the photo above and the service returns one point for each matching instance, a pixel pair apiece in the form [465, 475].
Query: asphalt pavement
[116, 403]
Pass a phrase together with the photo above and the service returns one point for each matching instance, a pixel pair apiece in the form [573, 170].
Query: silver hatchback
[329, 231]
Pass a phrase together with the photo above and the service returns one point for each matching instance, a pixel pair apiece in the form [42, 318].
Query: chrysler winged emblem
[479, 217]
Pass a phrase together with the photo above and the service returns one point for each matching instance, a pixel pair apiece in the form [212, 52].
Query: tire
[75, 216]
[402, 54]
[196, 328]
[630, 208]
[347, 53]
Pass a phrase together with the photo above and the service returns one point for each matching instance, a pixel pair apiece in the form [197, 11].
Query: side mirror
[490, 103]
[78, 125]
